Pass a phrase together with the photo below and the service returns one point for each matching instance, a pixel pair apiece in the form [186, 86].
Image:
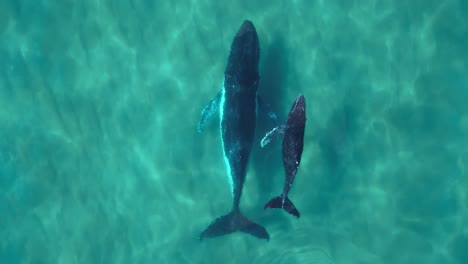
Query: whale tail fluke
[287, 205]
[232, 222]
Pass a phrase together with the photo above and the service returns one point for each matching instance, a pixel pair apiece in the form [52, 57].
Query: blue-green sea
[100, 160]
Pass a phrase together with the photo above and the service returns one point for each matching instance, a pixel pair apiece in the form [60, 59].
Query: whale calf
[237, 106]
[293, 142]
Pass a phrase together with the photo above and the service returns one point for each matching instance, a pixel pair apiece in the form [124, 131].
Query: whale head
[242, 66]
[297, 114]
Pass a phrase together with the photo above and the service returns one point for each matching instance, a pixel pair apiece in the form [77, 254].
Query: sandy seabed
[100, 161]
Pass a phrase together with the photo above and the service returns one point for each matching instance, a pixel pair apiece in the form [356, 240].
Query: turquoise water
[100, 161]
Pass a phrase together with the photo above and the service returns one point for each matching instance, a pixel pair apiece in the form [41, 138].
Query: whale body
[237, 105]
[293, 144]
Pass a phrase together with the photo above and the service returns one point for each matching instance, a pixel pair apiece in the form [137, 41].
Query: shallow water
[100, 161]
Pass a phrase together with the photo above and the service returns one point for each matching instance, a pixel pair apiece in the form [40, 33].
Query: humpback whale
[237, 106]
[293, 142]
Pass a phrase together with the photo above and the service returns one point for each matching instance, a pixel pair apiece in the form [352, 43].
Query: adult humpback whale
[237, 106]
[293, 142]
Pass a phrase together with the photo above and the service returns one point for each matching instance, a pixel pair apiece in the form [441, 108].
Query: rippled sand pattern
[100, 161]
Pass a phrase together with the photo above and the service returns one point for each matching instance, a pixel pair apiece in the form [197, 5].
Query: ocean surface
[100, 160]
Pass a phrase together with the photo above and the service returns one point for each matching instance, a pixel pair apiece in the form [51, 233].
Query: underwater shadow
[336, 148]
[267, 161]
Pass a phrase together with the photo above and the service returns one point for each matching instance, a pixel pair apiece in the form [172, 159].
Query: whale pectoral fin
[210, 109]
[264, 107]
[277, 131]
